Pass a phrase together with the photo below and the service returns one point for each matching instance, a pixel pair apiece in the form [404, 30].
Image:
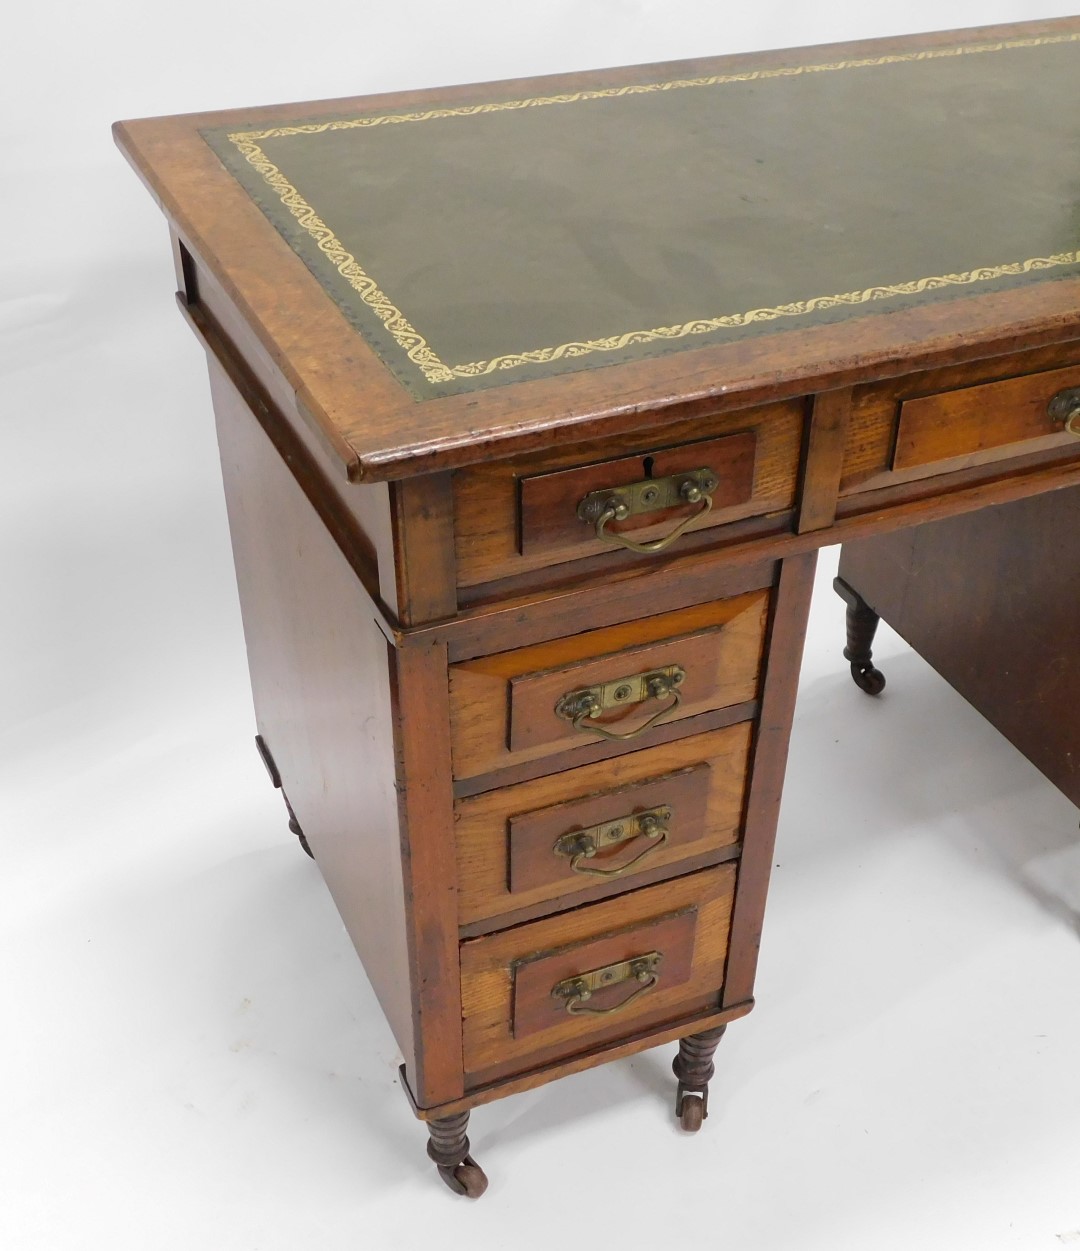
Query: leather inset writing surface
[501, 241]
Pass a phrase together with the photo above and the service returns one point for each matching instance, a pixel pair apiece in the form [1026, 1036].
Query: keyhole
[648, 465]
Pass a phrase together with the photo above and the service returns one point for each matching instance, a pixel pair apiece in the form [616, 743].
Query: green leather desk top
[497, 241]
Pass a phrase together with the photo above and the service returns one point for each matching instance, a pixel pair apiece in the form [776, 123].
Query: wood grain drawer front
[506, 839]
[550, 503]
[504, 707]
[647, 958]
[519, 516]
[982, 423]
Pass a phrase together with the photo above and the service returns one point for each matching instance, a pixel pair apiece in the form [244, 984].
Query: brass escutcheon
[589, 702]
[653, 495]
[574, 991]
[582, 845]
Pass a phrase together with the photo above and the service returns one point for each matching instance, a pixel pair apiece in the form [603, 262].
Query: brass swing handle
[1065, 410]
[574, 991]
[601, 508]
[588, 703]
[582, 845]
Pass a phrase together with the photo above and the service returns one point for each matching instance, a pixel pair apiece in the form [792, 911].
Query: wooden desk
[535, 401]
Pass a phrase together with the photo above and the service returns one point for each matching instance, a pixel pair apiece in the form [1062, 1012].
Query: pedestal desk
[535, 401]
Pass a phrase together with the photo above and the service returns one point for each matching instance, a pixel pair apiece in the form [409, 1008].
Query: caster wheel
[693, 1113]
[466, 1178]
[868, 679]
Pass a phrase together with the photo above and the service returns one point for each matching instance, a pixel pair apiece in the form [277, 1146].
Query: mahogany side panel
[321, 673]
[991, 601]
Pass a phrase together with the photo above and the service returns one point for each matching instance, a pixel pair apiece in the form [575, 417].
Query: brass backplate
[651, 823]
[652, 495]
[621, 693]
[637, 969]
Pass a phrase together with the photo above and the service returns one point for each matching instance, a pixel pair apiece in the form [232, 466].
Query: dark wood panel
[991, 601]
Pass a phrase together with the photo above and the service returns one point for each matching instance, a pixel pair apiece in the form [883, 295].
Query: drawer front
[562, 511]
[522, 515]
[610, 685]
[518, 847]
[959, 419]
[983, 422]
[550, 989]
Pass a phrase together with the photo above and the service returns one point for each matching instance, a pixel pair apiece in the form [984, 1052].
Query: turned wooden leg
[694, 1068]
[275, 777]
[448, 1146]
[862, 624]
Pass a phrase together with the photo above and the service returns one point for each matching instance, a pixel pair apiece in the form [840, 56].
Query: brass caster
[692, 1114]
[466, 1178]
[867, 678]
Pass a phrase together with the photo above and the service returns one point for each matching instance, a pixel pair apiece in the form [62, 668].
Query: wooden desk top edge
[377, 431]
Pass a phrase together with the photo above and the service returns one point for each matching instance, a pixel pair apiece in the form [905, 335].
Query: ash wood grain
[975, 420]
[824, 460]
[483, 822]
[345, 391]
[787, 632]
[487, 973]
[513, 518]
[723, 638]
[875, 412]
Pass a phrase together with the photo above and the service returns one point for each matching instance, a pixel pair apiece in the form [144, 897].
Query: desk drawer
[516, 846]
[983, 422]
[617, 684]
[959, 419]
[522, 515]
[552, 988]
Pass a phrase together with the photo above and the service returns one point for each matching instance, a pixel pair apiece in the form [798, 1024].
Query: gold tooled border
[420, 352]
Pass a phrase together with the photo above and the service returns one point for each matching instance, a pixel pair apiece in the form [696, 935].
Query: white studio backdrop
[190, 1055]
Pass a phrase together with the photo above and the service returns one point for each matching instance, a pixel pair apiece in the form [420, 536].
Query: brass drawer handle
[1064, 410]
[588, 703]
[652, 495]
[574, 991]
[582, 845]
